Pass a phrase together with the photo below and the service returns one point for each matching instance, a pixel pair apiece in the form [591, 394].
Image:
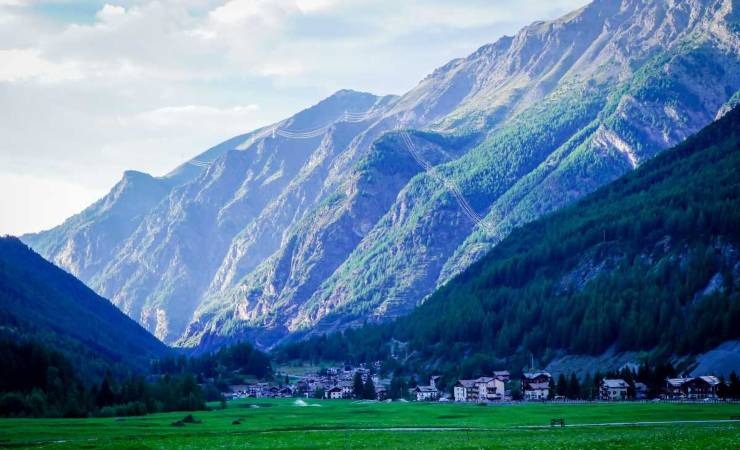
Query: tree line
[36, 381]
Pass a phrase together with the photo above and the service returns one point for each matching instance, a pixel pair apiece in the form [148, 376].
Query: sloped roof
[677, 382]
[466, 383]
[530, 375]
[615, 383]
[710, 379]
[426, 389]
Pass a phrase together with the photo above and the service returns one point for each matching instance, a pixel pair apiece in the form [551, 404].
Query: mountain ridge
[562, 107]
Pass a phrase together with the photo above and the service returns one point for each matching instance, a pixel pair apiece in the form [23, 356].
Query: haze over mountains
[329, 218]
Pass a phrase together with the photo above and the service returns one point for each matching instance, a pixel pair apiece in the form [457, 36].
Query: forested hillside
[40, 301]
[648, 263]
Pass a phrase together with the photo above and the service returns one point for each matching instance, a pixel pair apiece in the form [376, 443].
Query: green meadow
[282, 423]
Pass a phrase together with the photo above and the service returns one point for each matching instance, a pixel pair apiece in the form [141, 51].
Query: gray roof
[426, 389]
[676, 382]
[710, 379]
[531, 375]
[615, 383]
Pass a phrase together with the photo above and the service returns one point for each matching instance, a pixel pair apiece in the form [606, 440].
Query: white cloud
[110, 12]
[23, 64]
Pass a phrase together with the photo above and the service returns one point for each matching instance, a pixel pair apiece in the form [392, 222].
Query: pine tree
[562, 388]
[722, 389]
[369, 391]
[734, 390]
[358, 388]
[574, 388]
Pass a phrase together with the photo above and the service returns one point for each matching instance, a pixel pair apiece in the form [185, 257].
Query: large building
[482, 389]
[536, 385]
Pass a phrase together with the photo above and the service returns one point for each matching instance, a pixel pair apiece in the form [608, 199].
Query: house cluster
[696, 388]
[258, 390]
[338, 383]
[334, 383]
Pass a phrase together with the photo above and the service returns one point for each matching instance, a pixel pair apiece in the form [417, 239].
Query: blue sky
[92, 88]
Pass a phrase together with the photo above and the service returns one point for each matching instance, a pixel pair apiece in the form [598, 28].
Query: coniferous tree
[369, 389]
[562, 388]
[574, 388]
[734, 388]
[358, 388]
[722, 389]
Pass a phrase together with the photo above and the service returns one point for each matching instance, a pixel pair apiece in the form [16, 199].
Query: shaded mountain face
[290, 231]
[43, 302]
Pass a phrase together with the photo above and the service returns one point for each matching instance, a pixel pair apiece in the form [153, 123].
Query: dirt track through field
[629, 424]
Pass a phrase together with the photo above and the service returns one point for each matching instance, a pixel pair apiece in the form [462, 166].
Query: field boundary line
[641, 423]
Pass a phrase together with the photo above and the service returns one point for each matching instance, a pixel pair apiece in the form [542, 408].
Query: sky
[91, 88]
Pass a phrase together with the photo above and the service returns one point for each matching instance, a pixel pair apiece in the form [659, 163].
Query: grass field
[346, 424]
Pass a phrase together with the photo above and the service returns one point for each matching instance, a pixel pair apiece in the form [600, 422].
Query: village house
[701, 387]
[536, 385]
[427, 393]
[334, 393]
[674, 388]
[613, 389]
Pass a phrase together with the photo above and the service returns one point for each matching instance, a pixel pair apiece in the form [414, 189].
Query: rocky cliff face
[291, 230]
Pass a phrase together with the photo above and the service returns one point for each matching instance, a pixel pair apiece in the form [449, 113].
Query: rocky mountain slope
[42, 302]
[361, 206]
[645, 268]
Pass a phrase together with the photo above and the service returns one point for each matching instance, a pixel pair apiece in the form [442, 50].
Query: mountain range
[358, 208]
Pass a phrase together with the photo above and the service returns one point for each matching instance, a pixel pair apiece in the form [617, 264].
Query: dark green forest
[42, 302]
[647, 263]
[36, 381]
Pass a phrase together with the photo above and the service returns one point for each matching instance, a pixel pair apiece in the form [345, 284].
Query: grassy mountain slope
[651, 262]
